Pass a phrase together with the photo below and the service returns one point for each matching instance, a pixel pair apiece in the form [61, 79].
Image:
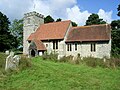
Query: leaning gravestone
[12, 61]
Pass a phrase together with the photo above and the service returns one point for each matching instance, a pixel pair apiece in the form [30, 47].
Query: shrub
[89, 61]
[115, 62]
[51, 56]
[93, 62]
[66, 58]
[24, 62]
[2, 60]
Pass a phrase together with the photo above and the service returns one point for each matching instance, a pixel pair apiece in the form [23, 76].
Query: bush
[66, 59]
[89, 61]
[2, 60]
[115, 62]
[24, 63]
[51, 56]
[70, 59]
[93, 62]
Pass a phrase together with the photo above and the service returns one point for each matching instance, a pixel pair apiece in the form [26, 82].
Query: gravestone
[7, 52]
[16, 59]
[12, 61]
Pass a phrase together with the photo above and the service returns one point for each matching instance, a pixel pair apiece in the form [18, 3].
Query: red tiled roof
[31, 37]
[89, 33]
[55, 30]
[39, 45]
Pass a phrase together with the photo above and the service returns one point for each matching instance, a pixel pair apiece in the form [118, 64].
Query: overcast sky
[75, 10]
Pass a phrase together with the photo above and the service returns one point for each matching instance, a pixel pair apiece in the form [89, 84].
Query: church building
[63, 39]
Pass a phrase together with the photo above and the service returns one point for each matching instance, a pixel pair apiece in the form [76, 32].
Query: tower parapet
[33, 14]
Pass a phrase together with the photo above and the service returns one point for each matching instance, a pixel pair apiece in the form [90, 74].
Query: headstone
[7, 52]
[104, 60]
[16, 59]
[12, 61]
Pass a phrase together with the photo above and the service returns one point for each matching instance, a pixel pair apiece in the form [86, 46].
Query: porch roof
[39, 45]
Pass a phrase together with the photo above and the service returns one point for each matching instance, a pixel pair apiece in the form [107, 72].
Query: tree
[118, 10]
[16, 29]
[48, 19]
[58, 20]
[74, 24]
[7, 41]
[115, 25]
[94, 19]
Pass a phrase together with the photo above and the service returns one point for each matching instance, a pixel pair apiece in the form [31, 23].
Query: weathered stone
[12, 62]
[30, 27]
[16, 59]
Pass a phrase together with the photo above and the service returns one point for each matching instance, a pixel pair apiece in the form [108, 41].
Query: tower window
[28, 21]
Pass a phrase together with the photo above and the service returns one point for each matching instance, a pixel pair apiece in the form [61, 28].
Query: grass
[48, 75]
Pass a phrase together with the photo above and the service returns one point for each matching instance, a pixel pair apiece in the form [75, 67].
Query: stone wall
[103, 49]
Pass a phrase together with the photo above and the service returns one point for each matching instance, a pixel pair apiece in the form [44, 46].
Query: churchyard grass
[49, 75]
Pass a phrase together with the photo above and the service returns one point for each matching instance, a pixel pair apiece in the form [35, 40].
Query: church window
[75, 46]
[55, 44]
[93, 47]
[69, 47]
[28, 21]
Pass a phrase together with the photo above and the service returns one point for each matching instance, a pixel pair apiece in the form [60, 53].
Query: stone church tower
[31, 22]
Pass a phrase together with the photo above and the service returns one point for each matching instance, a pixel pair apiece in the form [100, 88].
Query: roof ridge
[57, 22]
[89, 26]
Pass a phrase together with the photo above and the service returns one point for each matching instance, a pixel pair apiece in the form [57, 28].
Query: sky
[75, 10]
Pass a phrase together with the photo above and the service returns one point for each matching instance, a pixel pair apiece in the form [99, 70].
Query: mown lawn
[48, 75]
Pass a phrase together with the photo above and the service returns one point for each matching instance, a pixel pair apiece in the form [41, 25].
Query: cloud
[14, 8]
[77, 16]
[64, 9]
[106, 16]
[56, 8]
[80, 17]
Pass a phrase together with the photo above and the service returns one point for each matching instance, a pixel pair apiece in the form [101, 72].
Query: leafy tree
[16, 29]
[115, 25]
[118, 10]
[58, 20]
[94, 19]
[74, 24]
[48, 19]
[7, 41]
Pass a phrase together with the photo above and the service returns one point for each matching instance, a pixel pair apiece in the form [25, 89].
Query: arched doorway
[32, 53]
